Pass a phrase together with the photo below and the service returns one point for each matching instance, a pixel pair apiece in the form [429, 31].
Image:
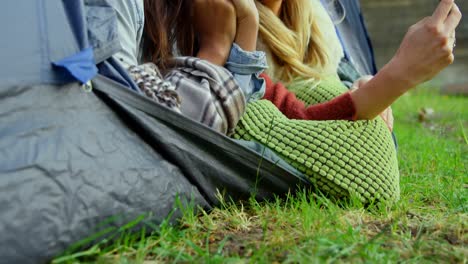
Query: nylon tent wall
[353, 34]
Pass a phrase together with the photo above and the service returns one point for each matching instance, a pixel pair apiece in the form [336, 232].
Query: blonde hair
[299, 42]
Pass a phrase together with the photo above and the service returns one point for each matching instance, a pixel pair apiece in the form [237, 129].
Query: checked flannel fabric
[195, 88]
[209, 94]
[150, 81]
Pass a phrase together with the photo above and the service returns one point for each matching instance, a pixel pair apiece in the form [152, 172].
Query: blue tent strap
[369, 42]
[80, 66]
[345, 50]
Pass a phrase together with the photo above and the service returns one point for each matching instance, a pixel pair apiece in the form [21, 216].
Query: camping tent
[75, 154]
[353, 34]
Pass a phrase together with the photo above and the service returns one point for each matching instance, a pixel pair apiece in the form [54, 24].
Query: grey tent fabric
[67, 165]
[31, 40]
[74, 159]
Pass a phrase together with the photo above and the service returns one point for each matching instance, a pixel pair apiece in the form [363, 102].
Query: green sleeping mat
[341, 158]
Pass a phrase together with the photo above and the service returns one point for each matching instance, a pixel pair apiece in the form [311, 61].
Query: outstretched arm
[425, 51]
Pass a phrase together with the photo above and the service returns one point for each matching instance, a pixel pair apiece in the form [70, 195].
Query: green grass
[428, 224]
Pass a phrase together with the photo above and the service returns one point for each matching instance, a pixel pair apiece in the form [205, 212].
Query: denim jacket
[130, 24]
[244, 66]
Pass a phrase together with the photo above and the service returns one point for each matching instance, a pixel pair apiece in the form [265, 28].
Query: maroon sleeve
[339, 108]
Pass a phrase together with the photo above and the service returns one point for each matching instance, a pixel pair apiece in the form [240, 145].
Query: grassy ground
[428, 224]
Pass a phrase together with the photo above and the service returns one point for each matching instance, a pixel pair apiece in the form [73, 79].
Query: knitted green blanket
[341, 158]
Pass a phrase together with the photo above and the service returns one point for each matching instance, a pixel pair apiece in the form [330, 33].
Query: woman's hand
[215, 26]
[361, 81]
[387, 116]
[428, 46]
[426, 50]
[247, 24]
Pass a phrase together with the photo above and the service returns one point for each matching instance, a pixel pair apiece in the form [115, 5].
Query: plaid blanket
[209, 94]
[198, 89]
[150, 81]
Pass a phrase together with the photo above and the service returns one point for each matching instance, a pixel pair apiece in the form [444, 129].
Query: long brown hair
[167, 26]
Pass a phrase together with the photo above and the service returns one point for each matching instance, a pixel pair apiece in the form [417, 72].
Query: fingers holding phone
[446, 18]
[427, 48]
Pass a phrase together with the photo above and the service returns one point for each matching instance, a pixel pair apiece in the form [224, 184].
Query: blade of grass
[462, 128]
[94, 251]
